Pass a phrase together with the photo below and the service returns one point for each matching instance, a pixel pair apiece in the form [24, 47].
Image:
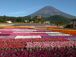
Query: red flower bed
[11, 43]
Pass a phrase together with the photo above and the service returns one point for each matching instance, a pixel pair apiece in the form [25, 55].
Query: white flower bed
[23, 37]
[52, 32]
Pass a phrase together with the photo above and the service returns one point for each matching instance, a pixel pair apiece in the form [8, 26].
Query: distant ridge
[48, 11]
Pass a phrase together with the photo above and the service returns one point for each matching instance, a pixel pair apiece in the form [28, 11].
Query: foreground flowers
[62, 52]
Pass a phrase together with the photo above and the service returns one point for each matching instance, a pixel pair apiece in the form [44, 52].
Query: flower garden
[37, 41]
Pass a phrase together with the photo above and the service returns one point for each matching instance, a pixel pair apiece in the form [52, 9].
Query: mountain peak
[48, 11]
[47, 6]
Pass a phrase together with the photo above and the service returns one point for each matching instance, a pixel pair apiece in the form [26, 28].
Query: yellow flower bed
[17, 26]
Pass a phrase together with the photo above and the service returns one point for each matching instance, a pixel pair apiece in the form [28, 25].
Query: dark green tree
[4, 18]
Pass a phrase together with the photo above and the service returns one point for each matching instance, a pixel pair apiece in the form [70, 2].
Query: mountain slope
[57, 18]
[50, 11]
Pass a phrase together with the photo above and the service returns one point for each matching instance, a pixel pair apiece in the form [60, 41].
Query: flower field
[31, 41]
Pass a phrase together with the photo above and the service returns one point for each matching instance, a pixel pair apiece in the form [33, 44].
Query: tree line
[56, 19]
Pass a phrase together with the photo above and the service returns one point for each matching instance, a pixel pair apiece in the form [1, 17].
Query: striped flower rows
[34, 42]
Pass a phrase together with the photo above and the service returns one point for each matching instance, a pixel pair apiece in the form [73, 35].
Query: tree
[4, 18]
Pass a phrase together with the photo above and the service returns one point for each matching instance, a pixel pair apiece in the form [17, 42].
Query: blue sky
[26, 7]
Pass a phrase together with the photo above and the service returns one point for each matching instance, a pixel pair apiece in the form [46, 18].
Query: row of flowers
[16, 27]
[36, 39]
[71, 32]
[62, 52]
[27, 35]
[21, 43]
[33, 26]
[26, 30]
[59, 36]
[51, 44]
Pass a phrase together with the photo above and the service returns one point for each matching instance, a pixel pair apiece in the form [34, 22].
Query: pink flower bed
[51, 44]
[29, 34]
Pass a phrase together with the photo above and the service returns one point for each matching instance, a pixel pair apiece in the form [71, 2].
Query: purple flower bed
[6, 31]
[1, 27]
[59, 36]
[7, 37]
